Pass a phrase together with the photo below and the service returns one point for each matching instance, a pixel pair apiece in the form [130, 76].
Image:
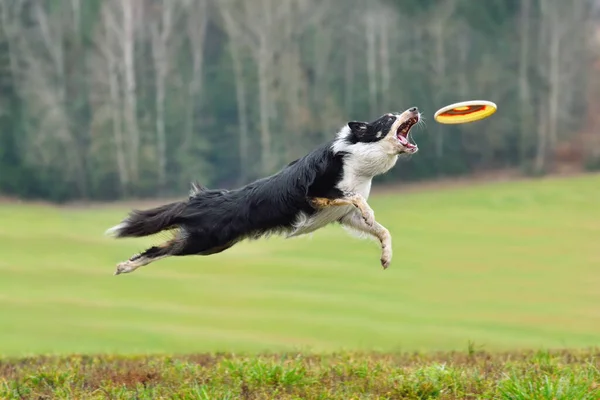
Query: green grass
[532, 375]
[506, 266]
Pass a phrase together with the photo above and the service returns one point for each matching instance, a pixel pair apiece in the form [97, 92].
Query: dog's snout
[413, 109]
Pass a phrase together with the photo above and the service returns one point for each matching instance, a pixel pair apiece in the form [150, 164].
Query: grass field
[504, 266]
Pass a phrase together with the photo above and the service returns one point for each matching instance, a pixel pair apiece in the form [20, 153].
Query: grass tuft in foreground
[535, 375]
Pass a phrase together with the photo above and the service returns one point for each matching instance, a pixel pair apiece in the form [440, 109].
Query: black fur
[212, 220]
[370, 132]
[148, 222]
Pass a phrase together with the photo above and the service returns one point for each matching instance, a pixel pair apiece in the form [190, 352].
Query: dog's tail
[148, 222]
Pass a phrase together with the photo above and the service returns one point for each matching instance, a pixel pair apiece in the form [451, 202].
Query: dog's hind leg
[355, 221]
[152, 254]
[181, 245]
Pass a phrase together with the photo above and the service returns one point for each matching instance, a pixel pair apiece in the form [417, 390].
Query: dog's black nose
[413, 109]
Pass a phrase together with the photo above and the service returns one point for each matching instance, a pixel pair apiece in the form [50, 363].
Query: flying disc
[465, 111]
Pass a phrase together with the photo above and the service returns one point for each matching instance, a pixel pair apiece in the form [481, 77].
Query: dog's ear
[358, 128]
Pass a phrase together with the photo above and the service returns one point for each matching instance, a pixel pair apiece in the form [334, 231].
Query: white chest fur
[367, 159]
[363, 162]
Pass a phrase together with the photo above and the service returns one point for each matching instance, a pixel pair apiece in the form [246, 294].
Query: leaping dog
[329, 184]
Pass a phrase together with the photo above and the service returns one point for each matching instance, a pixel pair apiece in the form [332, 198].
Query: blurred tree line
[107, 99]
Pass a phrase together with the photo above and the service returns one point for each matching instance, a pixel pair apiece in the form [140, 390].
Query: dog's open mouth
[403, 132]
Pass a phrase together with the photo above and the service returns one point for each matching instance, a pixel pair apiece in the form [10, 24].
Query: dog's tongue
[405, 142]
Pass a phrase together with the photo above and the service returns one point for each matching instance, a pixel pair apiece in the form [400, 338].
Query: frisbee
[465, 111]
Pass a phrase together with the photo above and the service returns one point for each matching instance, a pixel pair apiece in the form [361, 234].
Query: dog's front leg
[355, 221]
[352, 199]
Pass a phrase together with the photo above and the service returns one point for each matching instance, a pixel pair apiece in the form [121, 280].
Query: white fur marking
[115, 229]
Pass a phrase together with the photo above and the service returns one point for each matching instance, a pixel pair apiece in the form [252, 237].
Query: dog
[331, 184]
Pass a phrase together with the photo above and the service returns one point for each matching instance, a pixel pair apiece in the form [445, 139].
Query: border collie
[329, 184]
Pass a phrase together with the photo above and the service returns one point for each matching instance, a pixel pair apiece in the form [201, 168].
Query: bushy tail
[148, 222]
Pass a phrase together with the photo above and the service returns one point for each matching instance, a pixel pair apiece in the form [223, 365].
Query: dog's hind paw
[125, 267]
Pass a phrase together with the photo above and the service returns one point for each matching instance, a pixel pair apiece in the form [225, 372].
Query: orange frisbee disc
[466, 111]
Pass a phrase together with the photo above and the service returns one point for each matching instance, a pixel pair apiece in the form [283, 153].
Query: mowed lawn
[504, 266]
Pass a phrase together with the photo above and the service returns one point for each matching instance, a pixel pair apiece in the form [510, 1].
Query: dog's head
[372, 148]
[391, 131]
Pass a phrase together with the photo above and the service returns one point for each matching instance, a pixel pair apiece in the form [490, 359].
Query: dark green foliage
[58, 139]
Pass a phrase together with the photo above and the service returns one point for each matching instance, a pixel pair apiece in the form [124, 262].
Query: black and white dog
[330, 184]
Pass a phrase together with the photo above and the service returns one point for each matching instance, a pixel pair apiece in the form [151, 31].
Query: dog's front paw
[385, 262]
[386, 257]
